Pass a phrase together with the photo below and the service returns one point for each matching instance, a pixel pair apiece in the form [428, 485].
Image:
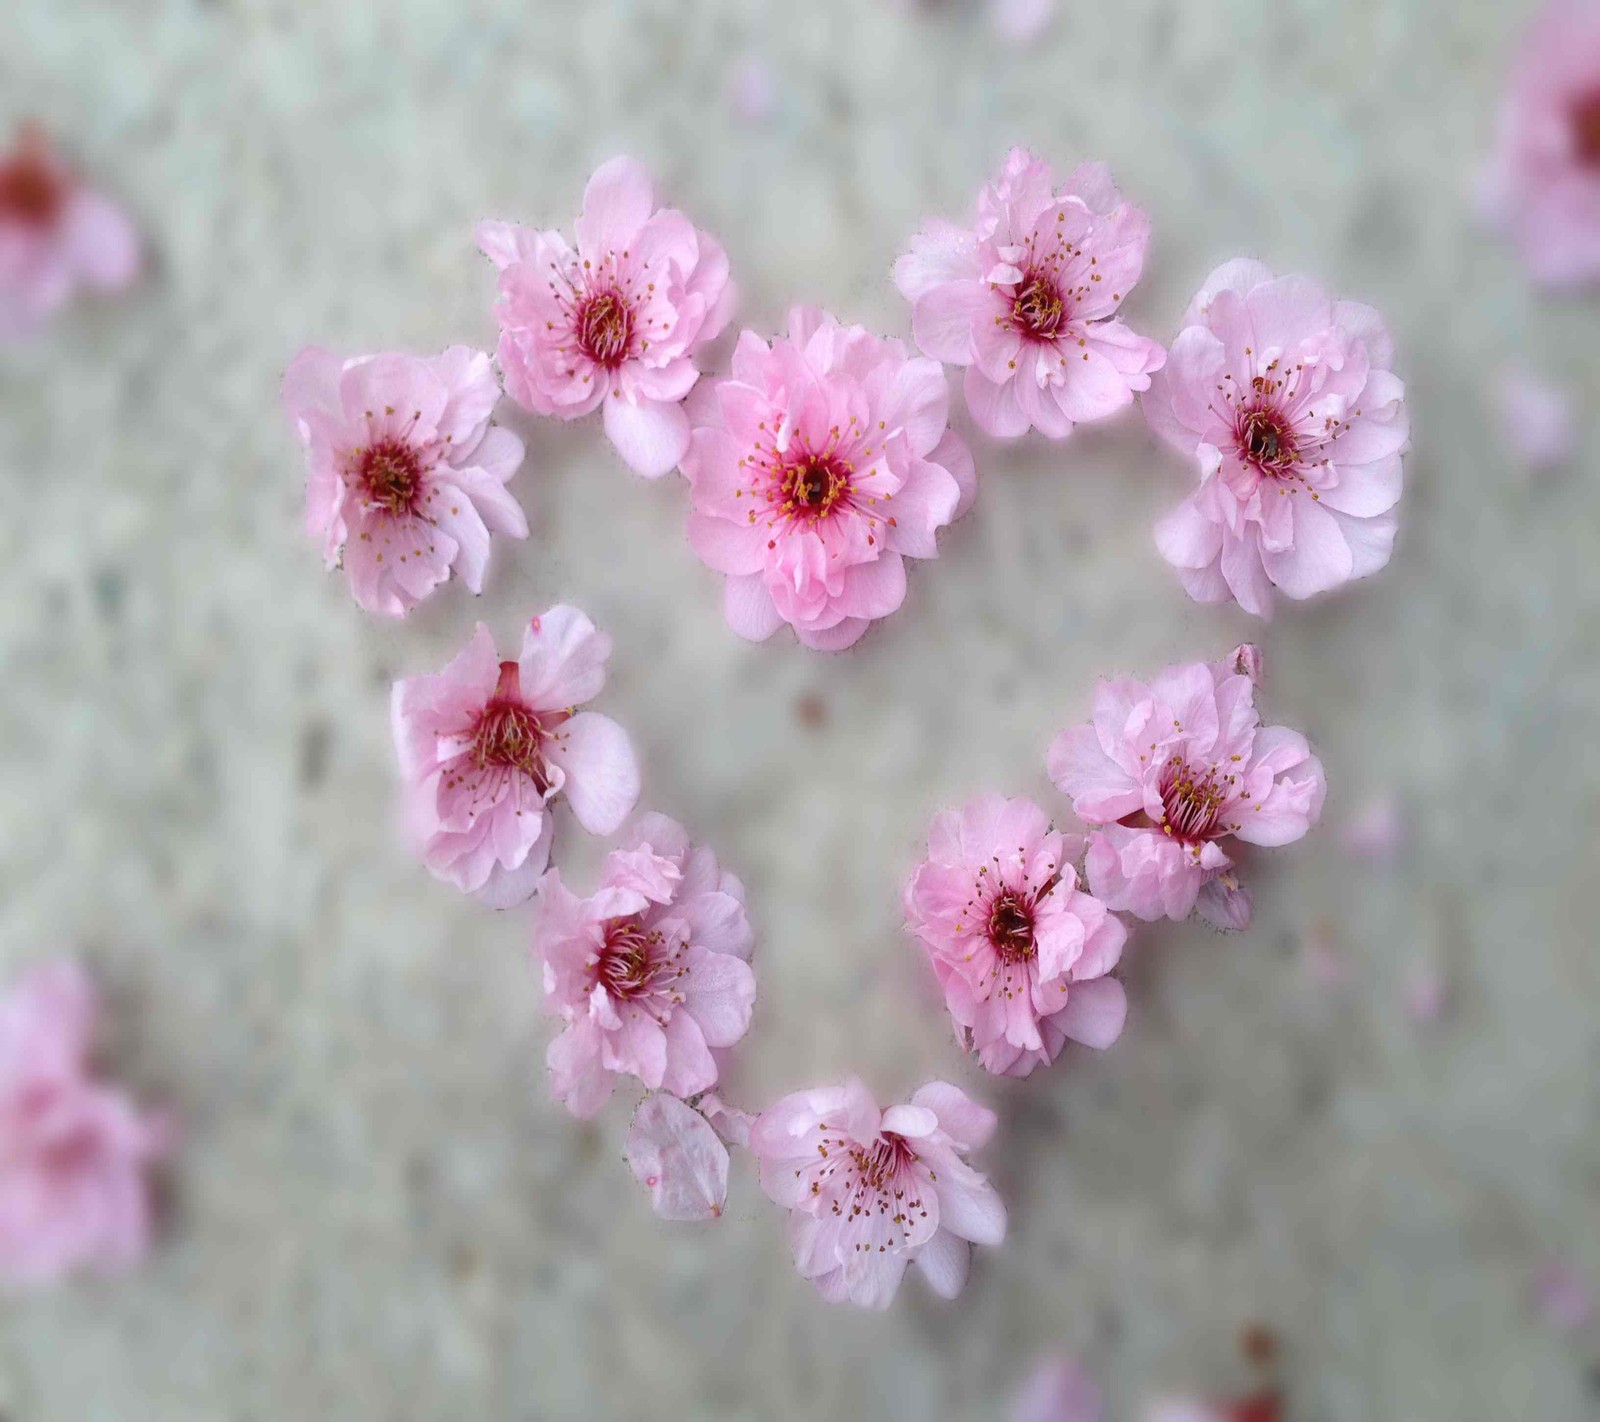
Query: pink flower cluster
[75, 1153]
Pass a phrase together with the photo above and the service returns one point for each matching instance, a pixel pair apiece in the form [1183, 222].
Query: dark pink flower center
[1192, 800]
[1586, 129]
[31, 191]
[815, 484]
[604, 327]
[631, 959]
[1011, 926]
[510, 735]
[1266, 441]
[390, 475]
[1039, 307]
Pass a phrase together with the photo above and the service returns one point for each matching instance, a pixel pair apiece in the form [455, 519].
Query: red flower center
[390, 475]
[1192, 800]
[1586, 129]
[629, 963]
[511, 736]
[1039, 308]
[1011, 926]
[605, 328]
[1266, 441]
[815, 484]
[31, 193]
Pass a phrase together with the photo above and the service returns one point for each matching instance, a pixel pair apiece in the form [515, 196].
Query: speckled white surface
[377, 1213]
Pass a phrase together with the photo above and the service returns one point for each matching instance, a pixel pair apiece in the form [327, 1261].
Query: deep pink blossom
[57, 237]
[872, 1191]
[674, 1153]
[406, 476]
[1543, 181]
[1285, 403]
[1058, 1390]
[1168, 773]
[650, 973]
[75, 1153]
[616, 321]
[817, 468]
[487, 746]
[1027, 298]
[1021, 952]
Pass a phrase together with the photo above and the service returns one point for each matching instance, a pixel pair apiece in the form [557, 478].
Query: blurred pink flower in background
[752, 88]
[649, 973]
[75, 1153]
[1542, 182]
[405, 474]
[1020, 952]
[1168, 772]
[1376, 832]
[872, 1191]
[1536, 422]
[486, 746]
[1427, 994]
[675, 1154]
[817, 468]
[1058, 1390]
[1020, 21]
[1285, 403]
[1560, 1297]
[57, 237]
[616, 322]
[1026, 299]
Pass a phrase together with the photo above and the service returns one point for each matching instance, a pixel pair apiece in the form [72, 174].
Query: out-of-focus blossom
[486, 746]
[1021, 21]
[752, 88]
[1376, 832]
[1027, 298]
[649, 973]
[57, 237]
[616, 322]
[1324, 963]
[1170, 771]
[1058, 1390]
[1021, 953]
[1536, 423]
[817, 468]
[676, 1155]
[405, 474]
[1427, 994]
[1542, 184]
[1560, 1296]
[872, 1191]
[1285, 403]
[75, 1153]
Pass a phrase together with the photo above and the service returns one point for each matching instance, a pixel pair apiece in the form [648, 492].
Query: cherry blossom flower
[75, 1153]
[406, 474]
[817, 468]
[1535, 418]
[870, 1192]
[649, 973]
[1542, 184]
[1376, 832]
[752, 88]
[1027, 298]
[486, 746]
[1285, 402]
[729, 1122]
[674, 1153]
[1058, 1390]
[1021, 952]
[1168, 773]
[57, 237]
[1021, 21]
[615, 322]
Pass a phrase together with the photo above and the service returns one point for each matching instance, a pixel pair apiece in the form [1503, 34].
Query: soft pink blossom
[1021, 21]
[616, 321]
[1169, 773]
[75, 1153]
[872, 1191]
[1376, 832]
[1021, 952]
[649, 973]
[752, 88]
[57, 237]
[674, 1153]
[487, 746]
[729, 1122]
[406, 476]
[1027, 297]
[1542, 184]
[817, 468]
[1560, 1296]
[1058, 1390]
[1536, 423]
[1285, 403]
[1427, 994]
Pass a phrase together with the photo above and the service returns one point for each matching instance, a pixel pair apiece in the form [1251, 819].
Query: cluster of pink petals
[1285, 402]
[1021, 952]
[872, 1191]
[650, 973]
[57, 237]
[677, 1156]
[1027, 299]
[75, 1153]
[405, 474]
[1169, 773]
[817, 468]
[1543, 181]
[486, 746]
[615, 322]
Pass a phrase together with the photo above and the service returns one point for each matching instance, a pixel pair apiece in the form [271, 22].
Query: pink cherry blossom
[1170, 772]
[729, 1122]
[649, 973]
[406, 476]
[872, 1191]
[486, 747]
[75, 1153]
[1058, 1390]
[57, 237]
[1535, 417]
[674, 1153]
[1027, 298]
[1542, 184]
[1021, 21]
[615, 322]
[1021, 952]
[1285, 402]
[817, 468]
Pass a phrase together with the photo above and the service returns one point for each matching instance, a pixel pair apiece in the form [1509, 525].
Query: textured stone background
[378, 1214]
